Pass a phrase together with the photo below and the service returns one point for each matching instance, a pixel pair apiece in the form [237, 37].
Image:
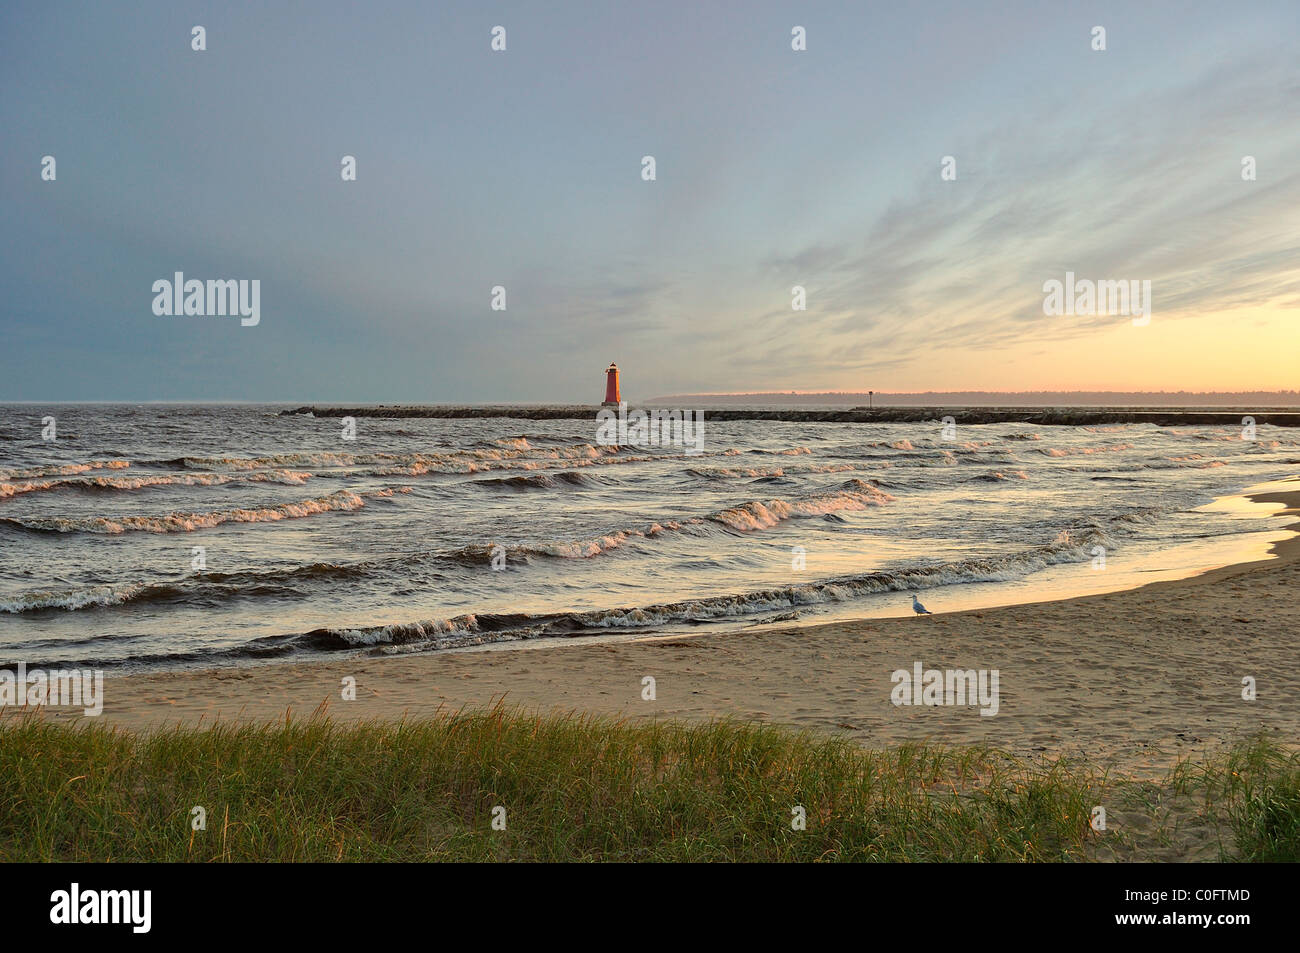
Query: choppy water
[312, 544]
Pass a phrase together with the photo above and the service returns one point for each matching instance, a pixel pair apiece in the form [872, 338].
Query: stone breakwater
[1060, 416]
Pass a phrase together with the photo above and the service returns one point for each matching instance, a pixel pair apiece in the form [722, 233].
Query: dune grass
[1255, 790]
[586, 788]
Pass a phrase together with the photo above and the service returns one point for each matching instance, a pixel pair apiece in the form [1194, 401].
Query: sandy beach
[1136, 679]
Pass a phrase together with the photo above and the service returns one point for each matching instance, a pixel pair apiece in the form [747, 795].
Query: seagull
[918, 608]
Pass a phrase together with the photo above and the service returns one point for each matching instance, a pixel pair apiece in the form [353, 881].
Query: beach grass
[580, 788]
[1256, 788]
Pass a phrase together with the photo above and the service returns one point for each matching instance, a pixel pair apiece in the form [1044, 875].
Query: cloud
[963, 263]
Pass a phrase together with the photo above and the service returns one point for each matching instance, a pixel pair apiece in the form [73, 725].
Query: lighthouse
[611, 386]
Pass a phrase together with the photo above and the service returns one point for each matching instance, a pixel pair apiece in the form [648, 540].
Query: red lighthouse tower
[611, 386]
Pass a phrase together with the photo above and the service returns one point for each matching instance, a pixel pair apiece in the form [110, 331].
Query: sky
[774, 168]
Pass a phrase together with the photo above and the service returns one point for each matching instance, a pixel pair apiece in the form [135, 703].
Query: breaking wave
[1081, 451]
[480, 628]
[287, 477]
[546, 481]
[738, 473]
[853, 495]
[745, 517]
[63, 469]
[342, 500]
[202, 587]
